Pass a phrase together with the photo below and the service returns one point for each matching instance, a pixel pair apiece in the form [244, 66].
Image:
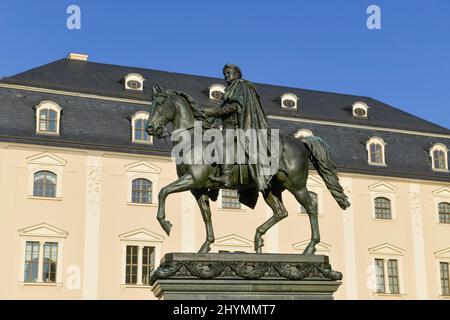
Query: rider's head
[231, 72]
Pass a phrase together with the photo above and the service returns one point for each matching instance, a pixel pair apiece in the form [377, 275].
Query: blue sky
[322, 44]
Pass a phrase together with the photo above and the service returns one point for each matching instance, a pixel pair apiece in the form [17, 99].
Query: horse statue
[181, 110]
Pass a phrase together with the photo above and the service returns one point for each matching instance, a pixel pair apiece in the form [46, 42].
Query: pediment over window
[43, 230]
[382, 187]
[233, 240]
[386, 249]
[141, 234]
[46, 158]
[322, 247]
[143, 166]
[444, 253]
[443, 192]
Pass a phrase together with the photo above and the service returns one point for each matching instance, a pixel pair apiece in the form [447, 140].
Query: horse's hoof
[309, 250]
[166, 225]
[205, 248]
[258, 250]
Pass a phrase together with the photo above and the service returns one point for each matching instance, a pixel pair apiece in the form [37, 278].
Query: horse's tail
[319, 154]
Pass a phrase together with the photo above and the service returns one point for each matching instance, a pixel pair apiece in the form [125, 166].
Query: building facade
[80, 179]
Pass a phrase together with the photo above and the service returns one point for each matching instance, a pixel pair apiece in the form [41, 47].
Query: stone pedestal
[244, 276]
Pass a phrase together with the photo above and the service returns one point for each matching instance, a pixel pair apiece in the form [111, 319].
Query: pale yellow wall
[116, 217]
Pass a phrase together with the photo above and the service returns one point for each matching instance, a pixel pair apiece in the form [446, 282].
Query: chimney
[77, 56]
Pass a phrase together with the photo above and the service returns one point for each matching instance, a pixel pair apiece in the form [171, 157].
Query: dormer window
[47, 117]
[360, 110]
[439, 160]
[139, 128]
[134, 81]
[216, 92]
[289, 101]
[376, 151]
[302, 133]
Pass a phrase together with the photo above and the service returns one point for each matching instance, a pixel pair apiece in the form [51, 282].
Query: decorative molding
[143, 167]
[443, 253]
[443, 192]
[233, 242]
[142, 235]
[382, 187]
[386, 249]
[42, 230]
[46, 158]
[322, 247]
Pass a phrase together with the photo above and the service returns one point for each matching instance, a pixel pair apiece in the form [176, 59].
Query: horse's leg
[203, 203]
[304, 198]
[274, 201]
[184, 183]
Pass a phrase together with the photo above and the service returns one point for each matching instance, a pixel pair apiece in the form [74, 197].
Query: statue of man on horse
[240, 109]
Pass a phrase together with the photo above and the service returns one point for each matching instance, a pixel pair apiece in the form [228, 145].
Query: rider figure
[241, 109]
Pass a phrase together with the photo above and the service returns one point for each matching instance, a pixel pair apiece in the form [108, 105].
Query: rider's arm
[228, 108]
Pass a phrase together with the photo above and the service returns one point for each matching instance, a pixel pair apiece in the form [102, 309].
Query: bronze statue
[241, 103]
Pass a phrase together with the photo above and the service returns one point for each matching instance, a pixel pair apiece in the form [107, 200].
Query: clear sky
[321, 44]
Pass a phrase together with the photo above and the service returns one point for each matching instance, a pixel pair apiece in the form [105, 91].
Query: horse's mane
[197, 112]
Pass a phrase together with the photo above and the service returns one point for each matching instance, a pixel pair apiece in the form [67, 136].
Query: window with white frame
[48, 115]
[230, 199]
[216, 92]
[439, 159]
[387, 276]
[360, 109]
[141, 191]
[141, 250]
[289, 101]
[376, 151]
[314, 199]
[44, 184]
[302, 133]
[139, 128]
[42, 246]
[134, 81]
[444, 212]
[445, 278]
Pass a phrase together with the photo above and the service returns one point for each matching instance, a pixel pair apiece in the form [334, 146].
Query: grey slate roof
[105, 79]
[105, 125]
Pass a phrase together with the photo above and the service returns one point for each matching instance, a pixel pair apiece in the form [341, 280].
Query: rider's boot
[226, 178]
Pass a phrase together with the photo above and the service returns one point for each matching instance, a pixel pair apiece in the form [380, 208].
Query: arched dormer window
[439, 157]
[289, 101]
[139, 128]
[360, 110]
[48, 114]
[216, 92]
[134, 81]
[376, 151]
[302, 133]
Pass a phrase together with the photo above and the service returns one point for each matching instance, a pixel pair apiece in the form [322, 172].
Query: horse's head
[162, 112]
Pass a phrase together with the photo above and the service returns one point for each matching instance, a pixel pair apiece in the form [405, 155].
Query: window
[148, 264]
[141, 191]
[230, 199]
[383, 208]
[134, 81]
[47, 120]
[33, 262]
[140, 262]
[376, 148]
[132, 265]
[445, 282]
[360, 109]
[444, 212]
[47, 117]
[314, 198]
[289, 101]
[438, 154]
[139, 128]
[390, 277]
[217, 95]
[44, 184]
[50, 259]
[216, 92]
